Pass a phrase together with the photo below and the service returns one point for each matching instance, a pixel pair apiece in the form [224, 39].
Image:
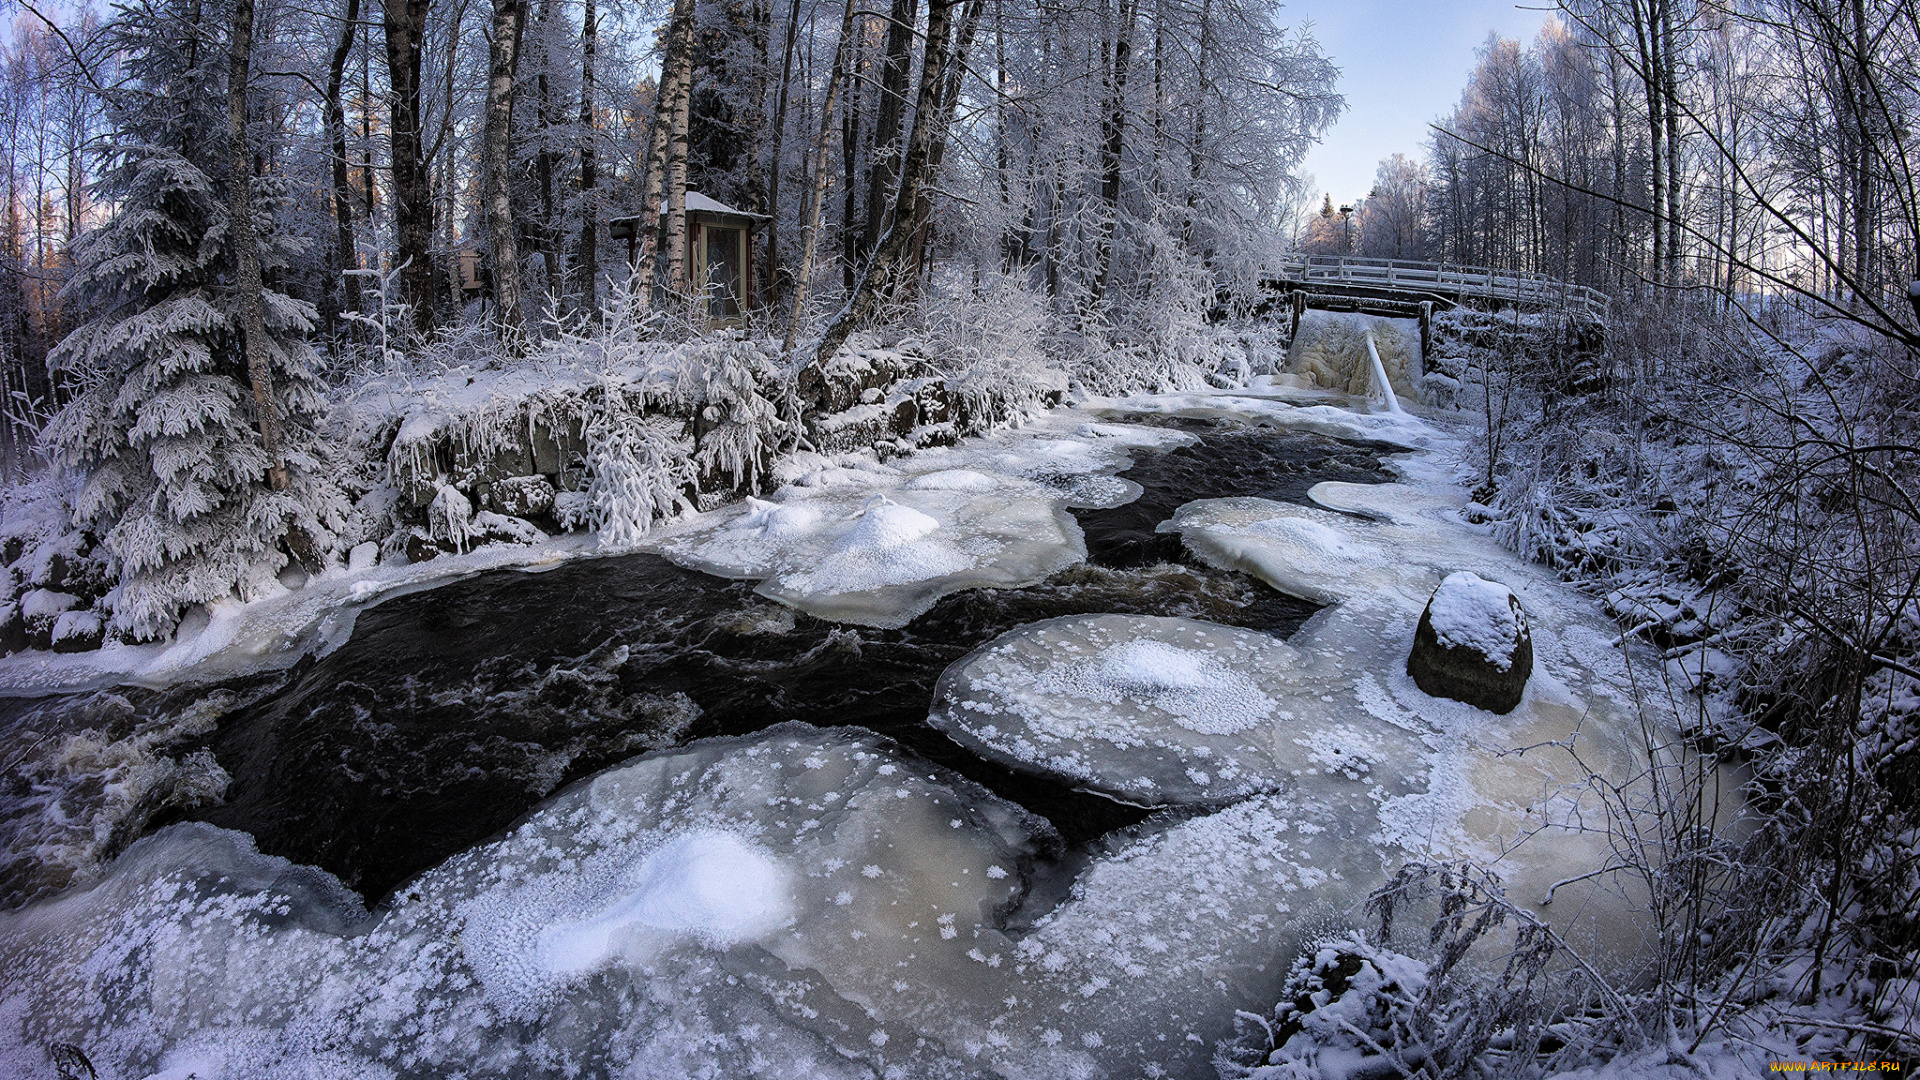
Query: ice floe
[854, 540]
[1161, 711]
[797, 903]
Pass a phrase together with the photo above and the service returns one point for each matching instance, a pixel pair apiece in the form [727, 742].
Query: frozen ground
[810, 902]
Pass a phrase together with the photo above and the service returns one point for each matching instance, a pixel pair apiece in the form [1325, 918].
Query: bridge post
[1426, 333]
[1299, 309]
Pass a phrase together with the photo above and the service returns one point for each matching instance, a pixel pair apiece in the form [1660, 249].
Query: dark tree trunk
[547, 235]
[588, 270]
[779, 138]
[884, 268]
[246, 246]
[1114, 126]
[344, 255]
[405, 26]
[817, 192]
[885, 151]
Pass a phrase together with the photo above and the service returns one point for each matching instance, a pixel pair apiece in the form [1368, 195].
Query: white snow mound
[1470, 612]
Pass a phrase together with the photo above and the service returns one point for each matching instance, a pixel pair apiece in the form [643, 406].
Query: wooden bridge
[1393, 282]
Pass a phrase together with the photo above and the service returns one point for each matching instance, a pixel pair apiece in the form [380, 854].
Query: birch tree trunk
[673, 270]
[817, 193]
[675, 68]
[503, 54]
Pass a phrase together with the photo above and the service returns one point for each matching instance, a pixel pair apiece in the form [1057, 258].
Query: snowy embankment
[811, 902]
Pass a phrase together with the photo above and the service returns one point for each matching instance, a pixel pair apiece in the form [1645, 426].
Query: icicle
[1380, 382]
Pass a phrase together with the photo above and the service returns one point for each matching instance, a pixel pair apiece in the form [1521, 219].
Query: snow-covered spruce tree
[163, 428]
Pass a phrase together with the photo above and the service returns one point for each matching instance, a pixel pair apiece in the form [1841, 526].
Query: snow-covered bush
[1739, 499]
[638, 472]
[746, 413]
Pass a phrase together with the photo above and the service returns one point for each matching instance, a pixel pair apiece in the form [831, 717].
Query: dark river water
[450, 713]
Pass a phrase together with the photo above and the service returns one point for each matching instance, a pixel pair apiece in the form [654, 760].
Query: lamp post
[1346, 229]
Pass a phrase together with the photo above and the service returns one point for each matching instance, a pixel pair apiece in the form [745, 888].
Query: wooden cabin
[720, 252]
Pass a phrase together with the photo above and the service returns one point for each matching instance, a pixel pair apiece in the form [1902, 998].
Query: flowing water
[450, 713]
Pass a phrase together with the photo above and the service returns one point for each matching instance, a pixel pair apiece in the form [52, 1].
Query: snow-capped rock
[1472, 644]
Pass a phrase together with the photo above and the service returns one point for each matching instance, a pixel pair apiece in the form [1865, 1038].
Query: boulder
[1473, 644]
[78, 631]
[855, 429]
[521, 496]
[421, 546]
[40, 608]
[476, 472]
[555, 442]
[13, 629]
[841, 382]
[491, 528]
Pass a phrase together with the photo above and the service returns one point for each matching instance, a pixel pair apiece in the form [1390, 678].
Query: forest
[312, 312]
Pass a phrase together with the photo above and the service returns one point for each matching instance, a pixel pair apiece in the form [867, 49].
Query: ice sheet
[850, 539]
[1513, 791]
[798, 903]
[1160, 711]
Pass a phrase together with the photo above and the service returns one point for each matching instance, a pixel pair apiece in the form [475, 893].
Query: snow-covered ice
[796, 903]
[851, 539]
[1160, 711]
[808, 902]
[1514, 792]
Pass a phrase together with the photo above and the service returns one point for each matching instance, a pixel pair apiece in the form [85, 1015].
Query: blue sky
[1402, 65]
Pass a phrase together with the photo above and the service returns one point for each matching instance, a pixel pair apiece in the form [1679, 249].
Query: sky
[1402, 66]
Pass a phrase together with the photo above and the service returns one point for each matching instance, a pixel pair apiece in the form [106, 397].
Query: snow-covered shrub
[1738, 499]
[1346, 1013]
[747, 412]
[637, 472]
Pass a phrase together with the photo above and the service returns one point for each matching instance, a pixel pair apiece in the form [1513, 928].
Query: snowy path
[810, 901]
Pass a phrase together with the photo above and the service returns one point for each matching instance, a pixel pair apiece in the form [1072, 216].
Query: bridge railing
[1416, 276]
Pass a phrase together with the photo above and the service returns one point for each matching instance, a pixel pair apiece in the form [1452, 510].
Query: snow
[851, 539]
[1469, 612]
[76, 624]
[709, 884]
[794, 903]
[1160, 711]
[45, 603]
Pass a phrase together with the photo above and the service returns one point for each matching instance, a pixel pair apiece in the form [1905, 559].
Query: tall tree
[587, 267]
[883, 268]
[406, 24]
[503, 55]
[246, 248]
[177, 480]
